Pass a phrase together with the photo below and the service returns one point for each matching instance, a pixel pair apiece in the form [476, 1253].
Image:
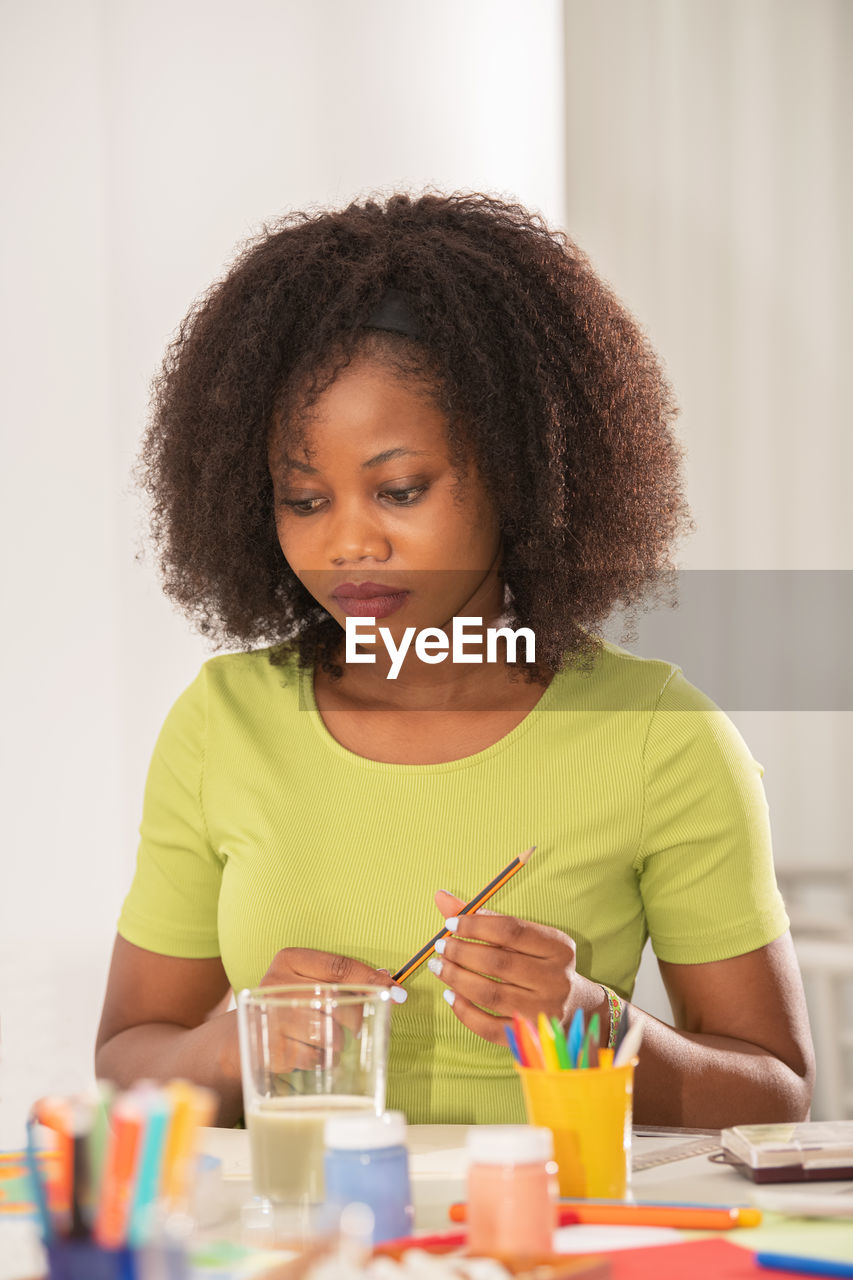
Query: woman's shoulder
[249, 673]
[229, 685]
[618, 680]
[679, 721]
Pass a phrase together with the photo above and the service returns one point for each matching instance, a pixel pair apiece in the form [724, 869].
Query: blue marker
[513, 1044]
[575, 1037]
[157, 1109]
[39, 1197]
[803, 1266]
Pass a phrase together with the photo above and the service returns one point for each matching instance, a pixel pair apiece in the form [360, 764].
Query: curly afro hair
[545, 380]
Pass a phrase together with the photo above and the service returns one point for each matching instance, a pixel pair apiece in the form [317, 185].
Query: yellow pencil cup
[589, 1112]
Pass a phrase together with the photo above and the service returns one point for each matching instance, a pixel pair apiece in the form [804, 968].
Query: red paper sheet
[711, 1259]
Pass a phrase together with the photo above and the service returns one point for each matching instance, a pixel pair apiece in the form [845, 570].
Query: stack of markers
[551, 1049]
[118, 1161]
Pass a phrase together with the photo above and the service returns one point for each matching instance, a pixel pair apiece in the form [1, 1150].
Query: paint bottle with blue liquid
[366, 1161]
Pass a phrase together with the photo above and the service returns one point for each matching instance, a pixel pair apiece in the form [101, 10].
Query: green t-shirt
[261, 831]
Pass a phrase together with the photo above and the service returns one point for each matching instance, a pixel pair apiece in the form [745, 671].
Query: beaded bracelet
[616, 1005]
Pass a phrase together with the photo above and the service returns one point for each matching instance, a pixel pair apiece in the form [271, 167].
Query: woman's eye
[302, 506]
[397, 498]
[404, 497]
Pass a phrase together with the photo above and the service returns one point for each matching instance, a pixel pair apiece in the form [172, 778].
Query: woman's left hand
[494, 966]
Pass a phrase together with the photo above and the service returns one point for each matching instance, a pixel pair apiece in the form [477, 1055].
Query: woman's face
[371, 498]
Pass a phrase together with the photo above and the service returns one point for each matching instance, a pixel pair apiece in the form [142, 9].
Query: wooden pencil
[483, 896]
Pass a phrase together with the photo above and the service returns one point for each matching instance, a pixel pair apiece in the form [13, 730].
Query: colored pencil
[803, 1266]
[145, 1156]
[560, 1044]
[687, 1217]
[438, 1242]
[157, 1114]
[55, 1113]
[520, 1041]
[82, 1192]
[119, 1167]
[39, 1194]
[629, 1045]
[514, 1047]
[528, 1042]
[589, 1052]
[575, 1037]
[101, 1099]
[548, 1044]
[483, 896]
[192, 1106]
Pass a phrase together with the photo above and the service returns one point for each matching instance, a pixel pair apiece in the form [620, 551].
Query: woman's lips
[371, 606]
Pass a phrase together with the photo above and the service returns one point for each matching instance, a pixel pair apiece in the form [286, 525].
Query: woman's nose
[356, 534]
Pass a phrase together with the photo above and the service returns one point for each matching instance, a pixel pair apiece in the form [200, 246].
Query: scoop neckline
[308, 700]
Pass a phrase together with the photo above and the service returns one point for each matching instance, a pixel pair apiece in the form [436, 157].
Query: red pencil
[440, 1242]
[528, 1042]
[126, 1122]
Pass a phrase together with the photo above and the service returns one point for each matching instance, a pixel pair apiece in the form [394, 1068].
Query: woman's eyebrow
[399, 452]
[293, 464]
[387, 456]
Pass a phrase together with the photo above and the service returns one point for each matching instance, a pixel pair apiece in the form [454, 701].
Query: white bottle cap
[509, 1144]
[359, 1130]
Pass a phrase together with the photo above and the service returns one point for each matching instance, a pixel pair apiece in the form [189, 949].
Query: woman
[420, 411]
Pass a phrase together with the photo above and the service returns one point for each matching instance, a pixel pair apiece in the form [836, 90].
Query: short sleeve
[706, 864]
[172, 904]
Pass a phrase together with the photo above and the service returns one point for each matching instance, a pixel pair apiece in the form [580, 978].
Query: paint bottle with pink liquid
[512, 1190]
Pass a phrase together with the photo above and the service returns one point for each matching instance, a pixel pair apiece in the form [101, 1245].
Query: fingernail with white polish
[452, 924]
[399, 995]
[440, 945]
[449, 996]
[435, 965]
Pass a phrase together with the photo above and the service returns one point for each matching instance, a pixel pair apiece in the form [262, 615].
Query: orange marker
[687, 1217]
[528, 1042]
[123, 1143]
[55, 1114]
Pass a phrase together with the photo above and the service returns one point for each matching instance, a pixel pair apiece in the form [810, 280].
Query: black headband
[394, 313]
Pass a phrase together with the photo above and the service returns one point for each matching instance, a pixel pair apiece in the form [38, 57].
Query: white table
[437, 1162]
[437, 1165]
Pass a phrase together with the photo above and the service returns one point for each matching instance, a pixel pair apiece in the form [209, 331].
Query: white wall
[710, 177]
[141, 143]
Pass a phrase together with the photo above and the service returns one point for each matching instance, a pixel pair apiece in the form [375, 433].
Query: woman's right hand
[163, 1016]
[297, 1034]
[294, 965]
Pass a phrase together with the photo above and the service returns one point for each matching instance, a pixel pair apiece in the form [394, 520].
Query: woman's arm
[162, 1018]
[156, 1025]
[742, 1052]
[741, 1049]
